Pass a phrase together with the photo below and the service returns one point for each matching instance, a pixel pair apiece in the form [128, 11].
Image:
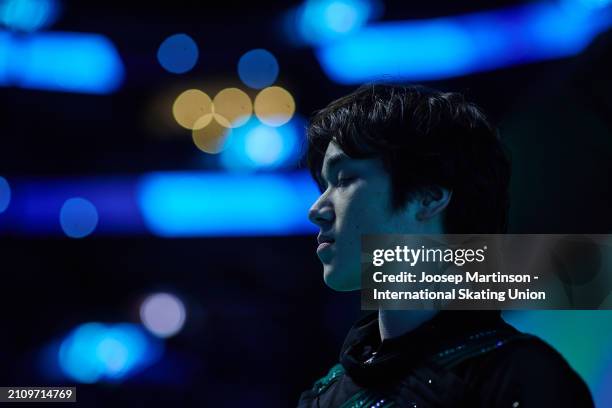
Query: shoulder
[531, 356]
[321, 385]
[532, 373]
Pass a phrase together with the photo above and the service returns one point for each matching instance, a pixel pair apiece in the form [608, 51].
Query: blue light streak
[5, 194]
[209, 204]
[454, 46]
[36, 205]
[169, 204]
[60, 61]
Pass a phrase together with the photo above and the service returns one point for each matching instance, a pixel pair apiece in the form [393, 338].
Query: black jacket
[457, 359]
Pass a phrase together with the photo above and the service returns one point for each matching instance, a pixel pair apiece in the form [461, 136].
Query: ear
[432, 201]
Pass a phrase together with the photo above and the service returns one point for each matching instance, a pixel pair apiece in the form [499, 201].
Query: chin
[339, 281]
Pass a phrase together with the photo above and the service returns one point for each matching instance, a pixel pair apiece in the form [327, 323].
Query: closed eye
[344, 181]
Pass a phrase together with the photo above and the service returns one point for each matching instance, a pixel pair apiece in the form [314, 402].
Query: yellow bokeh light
[274, 106]
[203, 121]
[232, 107]
[213, 137]
[193, 109]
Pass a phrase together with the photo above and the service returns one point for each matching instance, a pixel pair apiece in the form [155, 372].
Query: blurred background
[154, 245]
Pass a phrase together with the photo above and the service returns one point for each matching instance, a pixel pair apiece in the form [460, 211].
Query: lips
[324, 238]
[324, 242]
[323, 246]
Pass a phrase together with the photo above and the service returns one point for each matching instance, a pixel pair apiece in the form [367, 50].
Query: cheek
[366, 212]
[360, 209]
[357, 220]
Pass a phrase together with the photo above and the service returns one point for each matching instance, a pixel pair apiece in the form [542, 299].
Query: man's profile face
[356, 201]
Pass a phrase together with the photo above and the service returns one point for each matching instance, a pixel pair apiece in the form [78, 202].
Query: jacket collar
[393, 357]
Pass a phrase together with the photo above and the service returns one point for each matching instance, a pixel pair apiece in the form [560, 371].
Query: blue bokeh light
[5, 194]
[320, 21]
[28, 15]
[184, 204]
[78, 353]
[258, 68]
[264, 145]
[586, 5]
[453, 46]
[178, 53]
[55, 61]
[259, 146]
[78, 217]
[98, 352]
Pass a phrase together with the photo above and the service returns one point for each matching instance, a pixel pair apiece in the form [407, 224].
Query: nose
[321, 213]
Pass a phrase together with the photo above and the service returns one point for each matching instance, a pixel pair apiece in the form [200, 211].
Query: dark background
[261, 326]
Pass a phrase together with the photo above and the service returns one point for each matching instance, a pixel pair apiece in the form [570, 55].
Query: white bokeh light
[163, 314]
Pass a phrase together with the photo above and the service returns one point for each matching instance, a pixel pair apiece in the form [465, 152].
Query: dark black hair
[424, 138]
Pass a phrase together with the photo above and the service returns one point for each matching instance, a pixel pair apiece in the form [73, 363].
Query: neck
[394, 323]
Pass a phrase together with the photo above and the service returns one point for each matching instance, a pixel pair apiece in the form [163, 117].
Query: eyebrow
[332, 162]
[335, 161]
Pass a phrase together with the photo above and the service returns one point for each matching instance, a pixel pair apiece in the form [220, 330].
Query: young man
[410, 160]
